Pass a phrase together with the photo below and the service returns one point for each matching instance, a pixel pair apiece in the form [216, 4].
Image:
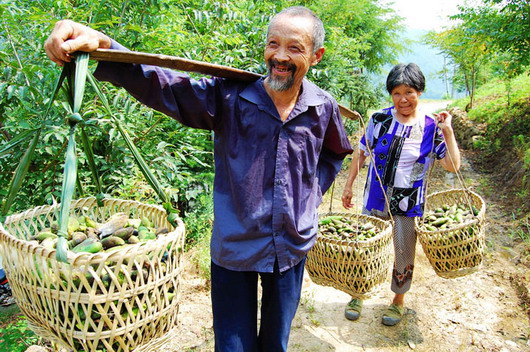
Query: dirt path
[478, 312]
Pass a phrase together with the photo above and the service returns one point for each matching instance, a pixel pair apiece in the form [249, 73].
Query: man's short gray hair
[301, 11]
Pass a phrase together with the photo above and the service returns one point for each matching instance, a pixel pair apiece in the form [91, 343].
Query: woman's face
[405, 99]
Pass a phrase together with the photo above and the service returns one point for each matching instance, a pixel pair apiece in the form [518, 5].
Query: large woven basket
[351, 266]
[458, 250]
[119, 301]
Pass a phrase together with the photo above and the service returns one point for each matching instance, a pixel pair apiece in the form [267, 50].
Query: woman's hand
[347, 196]
[68, 37]
[443, 120]
[451, 162]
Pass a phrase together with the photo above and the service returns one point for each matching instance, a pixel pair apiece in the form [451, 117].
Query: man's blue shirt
[269, 174]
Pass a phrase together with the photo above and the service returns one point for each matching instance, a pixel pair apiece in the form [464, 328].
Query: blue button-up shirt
[269, 174]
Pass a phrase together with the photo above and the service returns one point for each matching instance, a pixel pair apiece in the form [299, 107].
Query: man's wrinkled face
[289, 51]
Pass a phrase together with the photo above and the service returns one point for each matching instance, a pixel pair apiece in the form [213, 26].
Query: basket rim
[384, 233]
[84, 257]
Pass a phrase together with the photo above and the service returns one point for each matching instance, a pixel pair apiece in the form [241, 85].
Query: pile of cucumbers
[86, 235]
[340, 228]
[448, 216]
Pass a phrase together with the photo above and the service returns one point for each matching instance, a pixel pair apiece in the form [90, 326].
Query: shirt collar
[255, 93]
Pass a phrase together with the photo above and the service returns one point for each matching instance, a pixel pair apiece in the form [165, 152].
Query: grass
[15, 336]
[491, 99]
[522, 232]
[201, 256]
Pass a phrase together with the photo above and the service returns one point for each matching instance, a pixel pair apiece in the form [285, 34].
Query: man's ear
[317, 56]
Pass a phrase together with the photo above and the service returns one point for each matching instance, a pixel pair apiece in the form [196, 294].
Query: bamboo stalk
[177, 63]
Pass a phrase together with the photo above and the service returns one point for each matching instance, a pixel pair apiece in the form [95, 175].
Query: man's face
[289, 52]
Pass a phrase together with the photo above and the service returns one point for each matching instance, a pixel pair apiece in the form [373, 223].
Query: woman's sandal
[393, 315]
[353, 309]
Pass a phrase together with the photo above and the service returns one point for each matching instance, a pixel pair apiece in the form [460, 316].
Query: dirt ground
[482, 311]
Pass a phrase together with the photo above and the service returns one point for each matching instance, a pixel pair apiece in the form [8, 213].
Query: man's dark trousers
[235, 307]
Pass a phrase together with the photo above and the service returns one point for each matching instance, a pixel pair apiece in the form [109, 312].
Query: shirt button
[278, 182]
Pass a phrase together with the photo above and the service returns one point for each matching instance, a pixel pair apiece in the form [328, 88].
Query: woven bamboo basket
[115, 301]
[352, 266]
[456, 251]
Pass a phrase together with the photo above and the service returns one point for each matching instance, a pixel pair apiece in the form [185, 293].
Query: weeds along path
[479, 312]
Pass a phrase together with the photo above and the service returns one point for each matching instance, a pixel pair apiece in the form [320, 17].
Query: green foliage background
[362, 37]
[225, 32]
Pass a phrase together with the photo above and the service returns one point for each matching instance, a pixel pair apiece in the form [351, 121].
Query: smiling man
[279, 143]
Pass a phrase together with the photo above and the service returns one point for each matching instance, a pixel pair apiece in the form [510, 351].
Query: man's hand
[68, 37]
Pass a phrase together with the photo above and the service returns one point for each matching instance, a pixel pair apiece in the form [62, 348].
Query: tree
[504, 26]
[466, 51]
[504, 29]
[360, 39]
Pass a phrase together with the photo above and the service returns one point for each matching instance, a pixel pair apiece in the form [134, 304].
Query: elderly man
[279, 143]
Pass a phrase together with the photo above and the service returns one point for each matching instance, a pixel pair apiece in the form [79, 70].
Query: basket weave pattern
[459, 250]
[119, 301]
[351, 266]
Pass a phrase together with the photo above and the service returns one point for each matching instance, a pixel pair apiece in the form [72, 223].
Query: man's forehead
[293, 23]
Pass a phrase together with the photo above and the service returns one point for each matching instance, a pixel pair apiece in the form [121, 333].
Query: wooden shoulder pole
[177, 63]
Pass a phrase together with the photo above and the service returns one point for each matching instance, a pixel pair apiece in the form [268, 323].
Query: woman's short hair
[409, 75]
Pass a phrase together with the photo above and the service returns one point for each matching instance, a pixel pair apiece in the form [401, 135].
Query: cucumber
[124, 233]
[44, 235]
[439, 222]
[112, 241]
[89, 245]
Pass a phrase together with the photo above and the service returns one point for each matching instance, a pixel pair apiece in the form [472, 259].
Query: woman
[403, 142]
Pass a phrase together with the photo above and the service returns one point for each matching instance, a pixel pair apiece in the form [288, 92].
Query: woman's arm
[451, 161]
[356, 164]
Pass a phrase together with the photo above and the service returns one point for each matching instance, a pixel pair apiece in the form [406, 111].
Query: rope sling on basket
[451, 231]
[352, 252]
[111, 293]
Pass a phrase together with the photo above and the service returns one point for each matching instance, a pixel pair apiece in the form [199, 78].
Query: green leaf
[67, 193]
[144, 168]
[20, 138]
[81, 69]
[20, 172]
[87, 148]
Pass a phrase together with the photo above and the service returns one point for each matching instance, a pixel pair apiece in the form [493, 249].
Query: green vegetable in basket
[73, 225]
[89, 245]
[112, 241]
[77, 238]
[49, 242]
[440, 221]
[145, 222]
[124, 233]
[41, 236]
[448, 216]
[114, 223]
[328, 219]
[144, 234]
[344, 227]
[133, 239]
